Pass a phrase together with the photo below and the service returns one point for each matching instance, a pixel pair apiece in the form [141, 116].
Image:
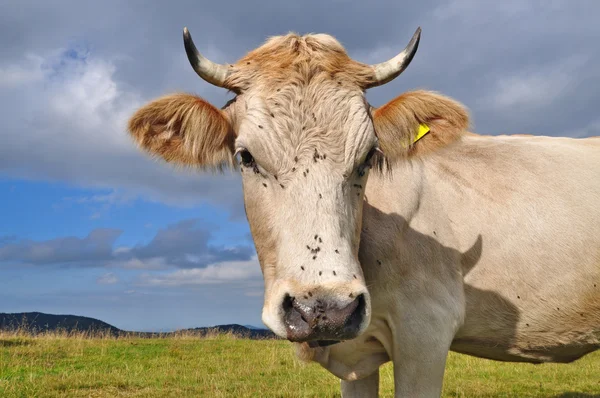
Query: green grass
[224, 366]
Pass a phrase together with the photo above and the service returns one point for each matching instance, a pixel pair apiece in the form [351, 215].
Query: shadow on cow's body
[493, 258]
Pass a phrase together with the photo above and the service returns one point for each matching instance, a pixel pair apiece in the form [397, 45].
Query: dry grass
[62, 364]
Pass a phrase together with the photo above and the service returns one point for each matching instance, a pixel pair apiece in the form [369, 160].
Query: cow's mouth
[322, 343]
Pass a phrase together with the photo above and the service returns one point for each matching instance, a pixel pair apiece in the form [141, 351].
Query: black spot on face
[320, 196]
[282, 186]
[334, 273]
[354, 276]
[272, 115]
[310, 294]
[314, 257]
[316, 236]
[305, 297]
[264, 185]
[337, 251]
[248, 63]
[351, 295]
[320, 240]
[302, 267]
[296, 159]
[293, 169]
[320, 273]
[260, 127]
[519, 297]
[379, 262]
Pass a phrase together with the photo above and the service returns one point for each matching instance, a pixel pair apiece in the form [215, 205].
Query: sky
[92, 226]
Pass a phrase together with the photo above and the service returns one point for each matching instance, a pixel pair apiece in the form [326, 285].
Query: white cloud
[68, 115]
[154, 263]
[535, 87]
[225, 272]
[107, 279]
[29, 70]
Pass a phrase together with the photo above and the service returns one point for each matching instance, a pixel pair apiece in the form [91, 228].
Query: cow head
[304, 138]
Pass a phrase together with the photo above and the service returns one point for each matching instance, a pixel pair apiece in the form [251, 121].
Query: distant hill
[37, 322]
[240, 330]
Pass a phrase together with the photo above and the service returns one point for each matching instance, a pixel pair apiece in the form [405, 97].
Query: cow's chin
[324, 313]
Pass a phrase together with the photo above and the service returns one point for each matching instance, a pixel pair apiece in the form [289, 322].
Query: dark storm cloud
[182, 245]
[521, 67]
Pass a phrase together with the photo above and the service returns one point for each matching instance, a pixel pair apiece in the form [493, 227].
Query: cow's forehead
[295, 59]
[319, 119]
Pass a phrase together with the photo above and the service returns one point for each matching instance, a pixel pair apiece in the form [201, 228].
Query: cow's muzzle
[317, 320]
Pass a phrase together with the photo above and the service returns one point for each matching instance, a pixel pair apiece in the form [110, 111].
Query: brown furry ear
[397, 124]
[186, 130]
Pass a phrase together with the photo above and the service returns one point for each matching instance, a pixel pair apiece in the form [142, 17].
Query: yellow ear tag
[423, 129]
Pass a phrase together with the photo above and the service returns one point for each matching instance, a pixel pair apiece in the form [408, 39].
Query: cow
[482, 245]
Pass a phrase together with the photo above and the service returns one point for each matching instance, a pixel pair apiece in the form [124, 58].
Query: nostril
[288, 303]
[357, 315]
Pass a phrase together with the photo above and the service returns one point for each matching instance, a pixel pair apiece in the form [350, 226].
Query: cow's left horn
[389, 70]
[211, 72]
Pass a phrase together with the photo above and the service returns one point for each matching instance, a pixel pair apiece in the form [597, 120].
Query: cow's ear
[186, 130]
[417, 123]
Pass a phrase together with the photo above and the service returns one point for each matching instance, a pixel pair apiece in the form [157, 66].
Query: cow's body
[488, 246]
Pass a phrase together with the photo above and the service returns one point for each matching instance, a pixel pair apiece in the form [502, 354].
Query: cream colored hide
[391, 249]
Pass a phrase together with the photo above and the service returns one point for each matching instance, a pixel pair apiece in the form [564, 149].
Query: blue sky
[92, 226]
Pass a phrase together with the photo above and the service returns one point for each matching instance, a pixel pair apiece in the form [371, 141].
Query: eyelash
[370, 155]
[368, 162]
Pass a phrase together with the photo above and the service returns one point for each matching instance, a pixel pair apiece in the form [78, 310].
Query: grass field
[57, 365]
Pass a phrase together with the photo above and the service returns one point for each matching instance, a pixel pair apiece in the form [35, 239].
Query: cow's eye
[246, 158]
